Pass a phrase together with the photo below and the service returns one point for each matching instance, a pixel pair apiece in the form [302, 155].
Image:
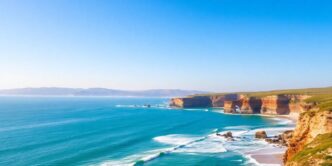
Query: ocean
[67, 131]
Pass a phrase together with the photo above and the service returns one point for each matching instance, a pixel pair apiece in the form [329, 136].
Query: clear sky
[214, 45]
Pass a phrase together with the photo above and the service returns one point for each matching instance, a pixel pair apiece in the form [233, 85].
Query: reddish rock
[260, 134]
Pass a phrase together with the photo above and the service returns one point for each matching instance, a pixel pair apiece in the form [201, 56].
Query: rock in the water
[228, 135]
[282, 139]
[260, 134]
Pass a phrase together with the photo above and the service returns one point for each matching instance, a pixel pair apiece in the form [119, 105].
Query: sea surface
[67, 131]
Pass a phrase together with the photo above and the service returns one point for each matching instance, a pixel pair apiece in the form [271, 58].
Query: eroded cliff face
[310, 124]
[217, 101]
[192, 102]
[245, 105]
[203, 101]
[237, 103]
[251, 105]
[283, 104]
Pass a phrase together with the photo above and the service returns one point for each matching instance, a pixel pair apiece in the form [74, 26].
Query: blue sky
[225, 45]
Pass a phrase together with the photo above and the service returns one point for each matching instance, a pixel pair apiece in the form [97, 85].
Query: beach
[273, 154]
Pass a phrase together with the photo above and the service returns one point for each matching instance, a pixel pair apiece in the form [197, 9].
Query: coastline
[272, 155]
[293, 118]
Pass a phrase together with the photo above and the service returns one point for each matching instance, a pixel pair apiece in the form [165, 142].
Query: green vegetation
[318, 150]
[324, 102]
[308, 91]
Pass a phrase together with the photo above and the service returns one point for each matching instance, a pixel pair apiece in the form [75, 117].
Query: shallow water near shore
[123, 131]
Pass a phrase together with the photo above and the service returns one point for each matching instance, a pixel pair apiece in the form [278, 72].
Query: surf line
[160, 154]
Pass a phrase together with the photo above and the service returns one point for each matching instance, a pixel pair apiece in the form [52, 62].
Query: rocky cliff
[192, 102]
[241, 103]
[245, 105]
[203, 101]
[311, 124]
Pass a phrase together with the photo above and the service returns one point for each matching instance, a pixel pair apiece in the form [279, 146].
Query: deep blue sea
[69, 131]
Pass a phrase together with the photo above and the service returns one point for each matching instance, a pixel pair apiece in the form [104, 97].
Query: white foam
[210, 144]
[272, 131]
[175, 139]
[241, 127]
[283, 121]
[193, 144]
[183, 144]
[244, 144]
[193, 109]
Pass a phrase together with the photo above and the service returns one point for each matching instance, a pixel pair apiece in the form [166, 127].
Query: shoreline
[272, 155]
[268, 159]
[292, 118]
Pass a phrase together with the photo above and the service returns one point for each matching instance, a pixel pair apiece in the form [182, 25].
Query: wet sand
[272, 156]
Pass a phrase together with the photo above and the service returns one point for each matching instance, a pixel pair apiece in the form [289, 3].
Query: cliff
[311, 141]
[245, 104]
[203, 101]
[305, 147]
[192, 102]
[318, 152]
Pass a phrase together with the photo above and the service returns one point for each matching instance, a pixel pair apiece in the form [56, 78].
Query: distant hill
[55, 91]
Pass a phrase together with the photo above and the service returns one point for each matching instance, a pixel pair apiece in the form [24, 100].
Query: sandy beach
[269, 156]
[272, 155]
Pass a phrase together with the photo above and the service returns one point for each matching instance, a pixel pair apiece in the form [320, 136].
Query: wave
[244, 143]
[283, 121]
[175, 139]
[195, 109]
[241, 127]
[193, 144]
[183, 144]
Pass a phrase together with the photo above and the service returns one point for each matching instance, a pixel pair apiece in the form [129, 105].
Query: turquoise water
[121, 131]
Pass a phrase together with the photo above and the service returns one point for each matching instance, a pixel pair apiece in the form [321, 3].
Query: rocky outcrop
[310, 124]
[192, 102]
[282, 139]
[203, 101]
[260, 134]
[231, 106]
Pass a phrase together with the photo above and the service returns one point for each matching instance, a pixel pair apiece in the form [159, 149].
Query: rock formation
[260, 134]
[282, 139]
[239, 103]
[310, 124]
[192, 102]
